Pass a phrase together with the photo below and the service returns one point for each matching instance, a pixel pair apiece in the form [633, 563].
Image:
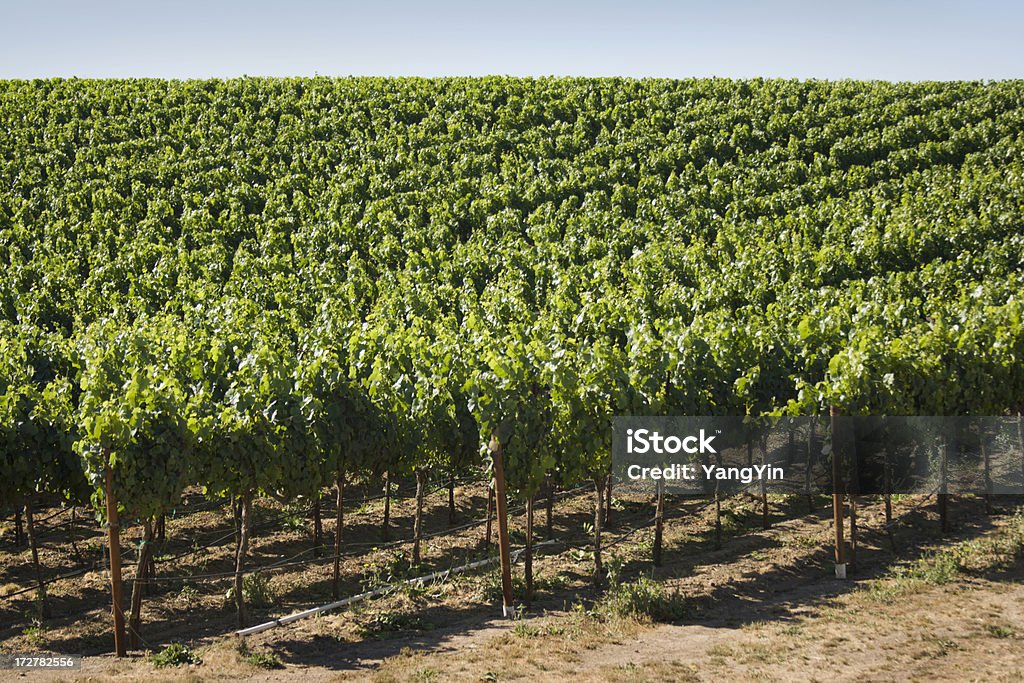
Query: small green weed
[383, 623]
[580, 556]
[189, 594]
[524, 629]
[949, 564]
[997, 631]
[176, 654]
[613, 570]
[801, 541]
[36, 633]
[385, 569]
[945, 646]
[643, 599]
[262, 660]
[256, 590]
[489, 588]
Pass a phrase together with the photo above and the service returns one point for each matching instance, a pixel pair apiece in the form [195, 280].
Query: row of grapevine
[268, 287]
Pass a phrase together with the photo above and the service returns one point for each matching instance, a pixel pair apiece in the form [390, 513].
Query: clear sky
[892, 40]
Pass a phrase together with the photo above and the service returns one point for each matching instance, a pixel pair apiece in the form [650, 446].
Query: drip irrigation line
[352, 549]
[124, 555]
[303, 512]
[217, 541]
[254, 527]
[309, 508]
[444, 574]
[382, 590]
[47, 582]
[95, 566]
[129, 630]
[396, 493]
[286, 514]
[193, 551]
[51, 516]
[631, 532]
[918, 505]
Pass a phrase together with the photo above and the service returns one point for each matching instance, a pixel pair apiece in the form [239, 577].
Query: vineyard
[233, 306]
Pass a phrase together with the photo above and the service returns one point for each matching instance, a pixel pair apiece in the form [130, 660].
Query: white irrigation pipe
[420, 580]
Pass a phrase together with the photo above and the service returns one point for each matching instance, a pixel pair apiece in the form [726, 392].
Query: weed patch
[175, 654]
[975, 556]
[262, 660]
[642, 600]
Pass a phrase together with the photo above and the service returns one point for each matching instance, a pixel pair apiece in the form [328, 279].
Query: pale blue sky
[913, 40]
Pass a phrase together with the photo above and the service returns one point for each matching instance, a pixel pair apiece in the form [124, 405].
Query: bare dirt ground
[762, 605]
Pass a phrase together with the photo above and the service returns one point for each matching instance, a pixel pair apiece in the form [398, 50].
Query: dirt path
[956, 633]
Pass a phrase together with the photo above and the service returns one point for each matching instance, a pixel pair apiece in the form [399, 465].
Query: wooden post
[490, 514]
[608, 503]
[44, 609]
[243, 547]
[887, 475]
[504, 555]
[71, 536]
[528, 553]
[114, 545]
[318, 527]
[718, 506]
[809, 465]
[718, 519]
[339, 526]
[1020, 437]
[659, 521]
[853, 532]
[549, 505]
[853, 488]
[236, 516]
[599, 482]
[148, 587]
[765, 520]
[451, 502]
[385, 532]
[791, 448]
[19, 528]
[837, 495]
[943, 485]
[983, 439]
[247, 516]
[139, 587]
[417, 527]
